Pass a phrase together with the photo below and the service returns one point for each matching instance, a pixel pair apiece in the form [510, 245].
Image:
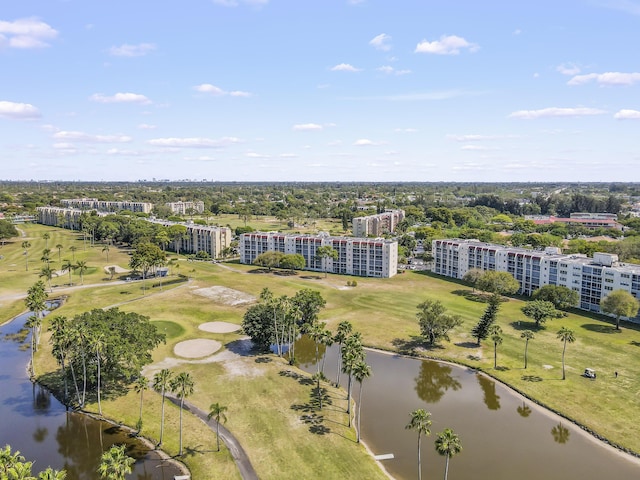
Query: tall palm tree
[26, 245]
[567, 336]
[46, 237]
[352, 352]
[448, 444]
[344, 330]
[46, 256]
[47, 272]
[36, 302]
[420, 422]
[495, 333]
[182, 386]
[81, 266]
[217, 411]
[73, 249]
[527, 335]
[60, 340]
[59, 247]
[68, 266]
[98, 344]
[326, 339]
[140, 386]
[106, 249]
[161, 384]
[361, 371]
[115, 464]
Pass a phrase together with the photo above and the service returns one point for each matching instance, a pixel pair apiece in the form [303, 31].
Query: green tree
[361, 371]
[502, 283]
[60, 338]
[98, 345]
[46, 238]
[563, 298]
[293, 261]
[352, 353]
[308, 304]
[161, 383]
[182, 385]
[481, 330]
[47, 272]
[36, 302]
[269, 259]
[26, 245]
[7, 230]
[420, 422]
[344, 330]
[105, 248]
[73, 249]
[141, 384]
[257, 323]
[115, 464]
[323, 254]
[435, 322]
[496, 337]
[566, 336]
[217, 411]
[81, 267]
[59, 247]
[68, 266]
[621, 304]
[540, 311]
[177, 233]
[527, 335]
[473, 276]
[112, 272]
[448, 445]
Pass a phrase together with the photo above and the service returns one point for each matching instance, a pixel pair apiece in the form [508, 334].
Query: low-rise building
[377, 225]
[107, 206]
[185, 208]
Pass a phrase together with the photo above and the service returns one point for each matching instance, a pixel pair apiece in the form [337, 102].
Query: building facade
[185, 208]
[593, 278]
[107, 206]
[365, 257]
[60, 217]
[200, 238]
[377, 225]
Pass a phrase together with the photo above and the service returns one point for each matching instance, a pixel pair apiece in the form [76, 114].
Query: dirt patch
[225, 296]
[118, 269]
[219, 327]
[197, 348]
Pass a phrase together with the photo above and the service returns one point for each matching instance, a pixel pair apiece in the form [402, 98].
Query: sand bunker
[225, 296]
[196, 348]
[219, 327]
[118, 269]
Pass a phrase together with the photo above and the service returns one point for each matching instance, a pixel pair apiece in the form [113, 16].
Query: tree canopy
[540, 311]
[563, 298]
[621, 304]
[435, 322]
[498, 282]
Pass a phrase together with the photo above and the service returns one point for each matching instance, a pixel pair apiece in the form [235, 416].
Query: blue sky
[320, 90]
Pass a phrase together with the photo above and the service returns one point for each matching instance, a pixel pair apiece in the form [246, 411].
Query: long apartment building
[593, 278]
[200, 238]
[107, 206]
[377, 225]
[184, 208]
[365, 257]
[61, 217]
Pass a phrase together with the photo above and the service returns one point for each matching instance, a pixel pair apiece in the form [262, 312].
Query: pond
[503, 436]
[35, 423]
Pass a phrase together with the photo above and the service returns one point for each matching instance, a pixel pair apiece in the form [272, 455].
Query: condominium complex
[106, 206]
[591, 221]
[377, 225]
[593, 278]
[184, 208]
[365, 257]
[60, 217]
[200, 238]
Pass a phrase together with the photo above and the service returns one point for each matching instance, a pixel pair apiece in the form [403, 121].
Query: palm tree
[140, 386]
[527, 335]
[566, 336]
[46, 256]
[59, 247]
[112, 272]
[496, 337]
[26, 245]
[81, 266]
[351, 354]
[344, 330]
[60, 340]
[98, 345]
[161, 384]
[46, 237]
[73, 250]
[36, 302]
[361, 371]
[68, 266]
[115, 464]
[217, 411]
[182, 386]
[47, 272]
[106, 249]
[51, 474]
[420, 422]
[448, 444]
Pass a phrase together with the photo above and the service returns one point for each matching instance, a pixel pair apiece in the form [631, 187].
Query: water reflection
[560, 433]
[524, 411]
[491, 398]
[434, 380]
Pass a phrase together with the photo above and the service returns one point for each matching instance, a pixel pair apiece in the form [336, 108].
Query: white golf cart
[589, 373]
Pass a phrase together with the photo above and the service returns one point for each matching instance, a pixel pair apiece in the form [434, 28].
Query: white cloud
[381, 42]
[627, 114]
[127, 153]
[87, 138]
[477, 138]
[344, 67]
[26, 33]
[64, 146]
[193, 142]
[628, 6]
[568, 69]
[365, 142]
[146, 126]
[417, 97]
[18, 110]
[256, 155]
[447, 45]
[517, 31]
[556, 112]
[608, 78]
[127, 50]
[474, 147]
[390, 70]
[236, 3]
[218, 92]
[288, 155]
[120, 98]
[307, 127]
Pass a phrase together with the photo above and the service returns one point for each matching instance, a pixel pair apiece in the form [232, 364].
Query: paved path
[237, 452]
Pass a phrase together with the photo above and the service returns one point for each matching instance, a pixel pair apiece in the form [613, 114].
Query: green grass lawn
[266, 405]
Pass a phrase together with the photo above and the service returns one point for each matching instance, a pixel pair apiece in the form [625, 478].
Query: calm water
[35, 423]
[502, 436]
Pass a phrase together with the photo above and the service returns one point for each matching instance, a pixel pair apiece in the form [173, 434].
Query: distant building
[184, 208]
[60, 217]
[201, 238]
[377, 225]
[107, 206]
[593, 278]
[365, 257]
[590, 221]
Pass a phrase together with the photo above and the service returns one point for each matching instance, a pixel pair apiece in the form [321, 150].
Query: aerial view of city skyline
[354, 90]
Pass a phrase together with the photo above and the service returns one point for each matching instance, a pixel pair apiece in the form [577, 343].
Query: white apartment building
[365, 257]
[377, 225]
[107, 206]
[200, 238]
[184, 208]
[593, 278]
[60, 217]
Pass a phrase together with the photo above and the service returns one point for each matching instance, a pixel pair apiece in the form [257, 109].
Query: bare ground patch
[197, 348]
[225, 296]
[219, 327]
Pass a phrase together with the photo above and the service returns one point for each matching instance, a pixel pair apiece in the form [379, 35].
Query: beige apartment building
[377, 225]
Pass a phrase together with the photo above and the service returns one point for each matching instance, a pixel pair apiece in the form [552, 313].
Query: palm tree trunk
[419, 460]
[162, 419]
[339, 361]
[359, 408]
[563, 350]
[181, 403]
[99, 404]
[218, 432]
[526, 345]
[446, 468]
